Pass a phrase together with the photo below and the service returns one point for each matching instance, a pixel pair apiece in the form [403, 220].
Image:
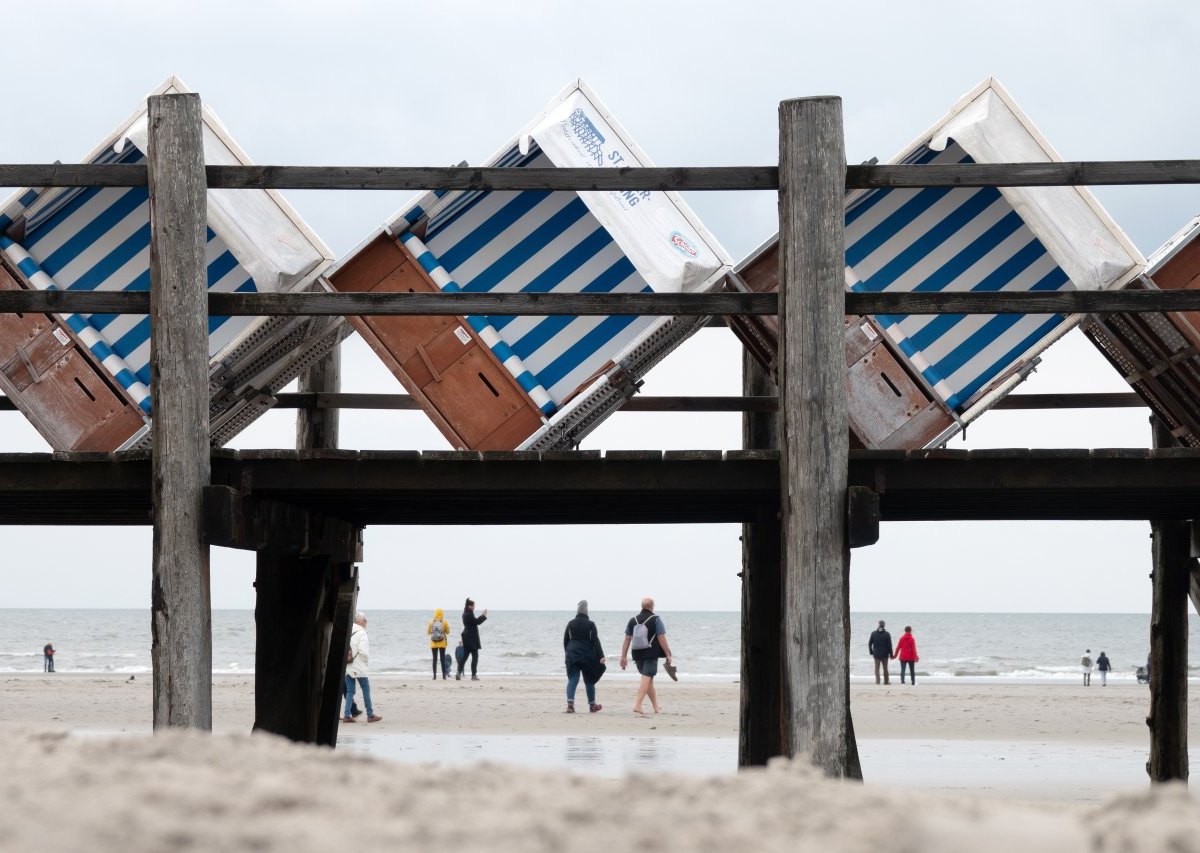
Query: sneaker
[356, 711]
[458, 676]
[570, 707]
[594, 707]
[374, 718]
[348, 720]
[474, 677]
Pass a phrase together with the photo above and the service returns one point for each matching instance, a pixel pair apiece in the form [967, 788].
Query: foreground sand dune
[190, 791]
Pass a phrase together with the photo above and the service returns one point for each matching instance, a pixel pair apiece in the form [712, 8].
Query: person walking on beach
[470, 640]
[646, 635]
[1104, 665]
[438, 630]
[584, 657]
[1085, 664]
[48, 657]
[356, 670]
[906, 650]
[879, 646]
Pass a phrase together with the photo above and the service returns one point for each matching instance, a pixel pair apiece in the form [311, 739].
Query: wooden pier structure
[803, 497]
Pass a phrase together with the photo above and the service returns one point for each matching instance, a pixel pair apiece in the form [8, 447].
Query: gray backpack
[437, 631]
[641, 634]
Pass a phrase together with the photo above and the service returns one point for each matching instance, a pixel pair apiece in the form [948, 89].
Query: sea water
[528, 643]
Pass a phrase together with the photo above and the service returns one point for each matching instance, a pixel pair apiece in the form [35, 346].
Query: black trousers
[474, 656]
[439, 666]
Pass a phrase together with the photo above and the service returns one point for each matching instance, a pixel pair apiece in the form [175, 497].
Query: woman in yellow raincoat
[438, 631]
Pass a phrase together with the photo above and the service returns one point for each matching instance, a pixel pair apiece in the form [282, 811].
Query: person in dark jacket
[470, 640]
[879, 646]
[1104, 665]
[584, 657]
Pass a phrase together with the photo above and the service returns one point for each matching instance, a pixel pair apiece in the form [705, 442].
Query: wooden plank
[762, 723]
[1089, 173]
[317, 427]
[604, 304]
[814, 430]
[862, 517]
[694, 178]
[345, 603]
[1169, 642]
[182, 627]
[1119, 400]
[293, 624]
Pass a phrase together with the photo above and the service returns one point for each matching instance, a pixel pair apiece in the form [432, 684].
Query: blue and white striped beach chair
[534, 382]
[914, 381]
[99, 239]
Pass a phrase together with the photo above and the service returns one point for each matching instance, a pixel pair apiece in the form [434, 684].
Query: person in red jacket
[906, 650]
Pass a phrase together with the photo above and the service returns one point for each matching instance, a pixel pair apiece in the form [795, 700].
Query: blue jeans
[366, 689]
[573, 673]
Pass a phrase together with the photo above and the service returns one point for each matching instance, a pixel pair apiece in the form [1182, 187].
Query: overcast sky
[373, 83]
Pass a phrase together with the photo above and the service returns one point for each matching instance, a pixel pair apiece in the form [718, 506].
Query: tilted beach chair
[500, 383]
[1158, 354]
[84, 380]
[915, 381]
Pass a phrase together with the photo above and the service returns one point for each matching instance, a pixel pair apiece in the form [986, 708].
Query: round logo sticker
[682, 245]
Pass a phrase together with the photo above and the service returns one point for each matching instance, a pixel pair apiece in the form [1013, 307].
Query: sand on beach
[192, 791]
[944, 710]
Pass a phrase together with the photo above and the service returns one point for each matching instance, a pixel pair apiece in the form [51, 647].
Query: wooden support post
[814, 428]
[293, 618]
[339, 642]
[1169, 643]
[317, 429]
[182, 622]
[762, 729]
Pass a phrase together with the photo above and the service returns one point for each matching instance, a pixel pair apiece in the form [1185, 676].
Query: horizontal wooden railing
[682, 178]
[403, 402]
[603, 304]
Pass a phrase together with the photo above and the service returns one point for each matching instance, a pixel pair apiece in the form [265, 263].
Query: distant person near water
[356, 670]
[646, 635]
[879, 646]
[906, 650]
[438, 630]
[584, 657]
[1104, 665]
[48, 657]
[1085, 664]
[470, 640]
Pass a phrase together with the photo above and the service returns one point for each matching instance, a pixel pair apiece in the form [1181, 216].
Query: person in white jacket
[356, 669]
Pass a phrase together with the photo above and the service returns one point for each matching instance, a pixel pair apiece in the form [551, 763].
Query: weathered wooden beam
[317, 427]
[1171, 578]
[333, 689]
[862, 516]
[762, 727]
[814, 429]
[233, 519]
[653, 403]
[603, 304]
[182, 626]
[293, 623]
[690, 178]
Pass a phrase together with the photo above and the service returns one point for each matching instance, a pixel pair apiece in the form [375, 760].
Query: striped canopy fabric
[536, 242]
[99, 239]
[951, 239]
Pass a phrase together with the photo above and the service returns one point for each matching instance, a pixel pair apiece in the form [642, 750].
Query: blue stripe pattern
[99, 239]
[954, 239]
[538, 242]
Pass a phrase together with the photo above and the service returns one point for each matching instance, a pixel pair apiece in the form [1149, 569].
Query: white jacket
[359, 650]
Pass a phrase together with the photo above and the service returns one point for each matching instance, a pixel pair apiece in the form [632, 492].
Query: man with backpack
[646, 635]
